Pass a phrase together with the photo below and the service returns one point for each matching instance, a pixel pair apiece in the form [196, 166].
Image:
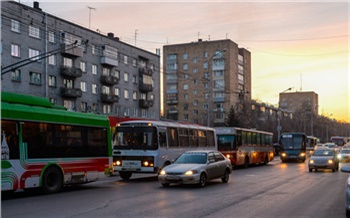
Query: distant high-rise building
[76, 67]
[294, 101]
[203, 79]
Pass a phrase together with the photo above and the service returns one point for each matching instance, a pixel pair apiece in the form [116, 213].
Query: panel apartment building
[76, 67]
[293, 101]
[203, 79]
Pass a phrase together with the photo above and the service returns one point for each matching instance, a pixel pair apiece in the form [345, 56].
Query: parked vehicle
[196, 167]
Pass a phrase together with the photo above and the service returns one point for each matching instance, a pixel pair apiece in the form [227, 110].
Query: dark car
[277, 148]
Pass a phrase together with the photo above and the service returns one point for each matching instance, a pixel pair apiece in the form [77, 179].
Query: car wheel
[202, 180]
[226, 176]
[125, 175]
[310, 170]
[333, 170]
[165, 184]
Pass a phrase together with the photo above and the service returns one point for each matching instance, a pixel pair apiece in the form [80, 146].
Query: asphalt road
[276, 190]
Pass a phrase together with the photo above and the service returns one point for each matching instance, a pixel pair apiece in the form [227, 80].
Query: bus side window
[162, 139]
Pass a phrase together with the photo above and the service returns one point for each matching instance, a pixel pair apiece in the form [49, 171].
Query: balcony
[71, 72]
[109, 80]
[146, 71]
[107, 98]
[71, 50]
[172, 101]
[173, 111]
[71, 92]
[218, 99]
[109, 61]
[145, 87]
[145, 103]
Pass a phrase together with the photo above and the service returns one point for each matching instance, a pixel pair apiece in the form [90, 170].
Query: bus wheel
[266, 161]
[52, 180]
[125, 175]
[246, 162]
[202, 180]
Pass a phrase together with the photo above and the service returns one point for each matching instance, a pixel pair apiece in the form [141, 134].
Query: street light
[208, 79]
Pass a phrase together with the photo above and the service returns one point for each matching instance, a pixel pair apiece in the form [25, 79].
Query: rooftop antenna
[90, 8]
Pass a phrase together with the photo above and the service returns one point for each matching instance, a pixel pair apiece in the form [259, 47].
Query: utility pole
[135, 36]
[90, 8]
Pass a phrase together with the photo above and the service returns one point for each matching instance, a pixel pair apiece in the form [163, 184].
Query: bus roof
[163, 124]
[233, 130]
[38, 109]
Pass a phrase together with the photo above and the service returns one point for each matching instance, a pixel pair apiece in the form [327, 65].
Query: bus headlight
[284, 154]
[330, 161]
[117, 163]
[147, 163]
[302, 154]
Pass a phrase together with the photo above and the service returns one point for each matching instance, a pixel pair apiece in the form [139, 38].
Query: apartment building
[293, 101]
[203, 79]
[73, 66]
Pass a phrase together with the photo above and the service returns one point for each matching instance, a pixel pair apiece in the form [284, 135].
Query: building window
[185, 56]
[52, 37]
[35, 78]
[106, 71]
[171, 56]
[205, 54]
[34, 54]
[195, 92]
[205, 65]
[144, 113]
[93, 49]
[69, 105]
[106, 90]
[134, 79]
[134, 62]
[134, 95]
[127, 112]
[94, 89]
[185, 76]
[117, 74]
[15, 50]
[195, 112]
[83, 106]
[52, 59]
[185, 116]
[116, 92]
[68, 83]
[83, 66]
[185, 107]
[185, 67]
[94, 69]
[125, 59]
[83, 86]
[16, 75]
[195, 102]
[15, 26]
[195, 70]
[172, 66]
[67, 62]
[185, 96]
[195, 60]
[126, 77]
[185, 86]
[106, 109]
[34, 32]
[95, 108]
[135, 112]
[53, 100]
[126, 94]
[52, 81]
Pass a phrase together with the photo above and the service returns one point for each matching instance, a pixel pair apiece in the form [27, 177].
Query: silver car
[323, 159]
[196, 167]
[344, 155]
[346, 169]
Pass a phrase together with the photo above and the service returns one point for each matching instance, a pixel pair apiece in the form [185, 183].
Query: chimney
[36, 6]
[110, 35]
[199, 40]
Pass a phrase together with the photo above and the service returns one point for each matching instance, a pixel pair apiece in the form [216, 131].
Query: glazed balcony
[71, 50]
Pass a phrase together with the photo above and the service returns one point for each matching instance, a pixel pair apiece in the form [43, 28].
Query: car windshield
[323, 153]
[330, 146]
[345, 151]
[192, 158]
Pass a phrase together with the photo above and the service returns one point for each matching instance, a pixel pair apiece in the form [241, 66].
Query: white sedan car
[196, 167]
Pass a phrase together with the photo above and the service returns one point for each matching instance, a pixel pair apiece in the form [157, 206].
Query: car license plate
[131, 163]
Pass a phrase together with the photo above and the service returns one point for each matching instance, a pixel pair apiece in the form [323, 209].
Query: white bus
[145, 146]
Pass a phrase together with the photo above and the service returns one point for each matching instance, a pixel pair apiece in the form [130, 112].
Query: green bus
[45, 146]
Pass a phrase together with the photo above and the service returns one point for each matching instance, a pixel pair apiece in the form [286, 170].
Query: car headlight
[330, 161]
[311, 161]
[162, 172]
[339, 156]
[191, 172]
[228, 156]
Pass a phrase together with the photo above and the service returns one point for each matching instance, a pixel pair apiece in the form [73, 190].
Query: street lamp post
[209, 81]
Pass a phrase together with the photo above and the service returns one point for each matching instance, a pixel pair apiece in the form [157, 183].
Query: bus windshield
[140, 138]
[226, 142]
[294, 142]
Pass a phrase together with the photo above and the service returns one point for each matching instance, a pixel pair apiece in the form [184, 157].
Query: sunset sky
[303, 45]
